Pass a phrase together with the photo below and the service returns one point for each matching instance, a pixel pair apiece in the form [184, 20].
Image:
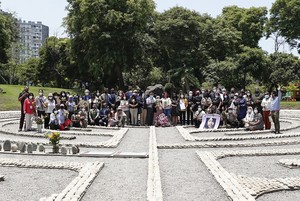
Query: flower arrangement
[54, 138]
[39, 120]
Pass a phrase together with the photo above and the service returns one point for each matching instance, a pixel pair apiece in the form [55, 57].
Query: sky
[52, 12]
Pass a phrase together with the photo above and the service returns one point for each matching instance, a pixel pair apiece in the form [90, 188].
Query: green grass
[295, 105]
[9, 100]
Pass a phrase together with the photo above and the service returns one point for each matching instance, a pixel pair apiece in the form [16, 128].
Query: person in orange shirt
[29, 111]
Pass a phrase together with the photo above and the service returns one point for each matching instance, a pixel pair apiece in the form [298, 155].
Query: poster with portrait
[210, 121]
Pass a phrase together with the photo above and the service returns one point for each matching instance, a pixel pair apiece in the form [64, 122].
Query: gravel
[280, 196]
[185, 177]
[120, 179]
[32, 184]
[260, 166]
[168, 135]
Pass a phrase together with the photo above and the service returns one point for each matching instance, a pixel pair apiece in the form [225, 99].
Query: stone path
[171, 164]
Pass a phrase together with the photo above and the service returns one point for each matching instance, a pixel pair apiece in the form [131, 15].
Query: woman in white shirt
[50, 105]
[266, 105]
[166, 105]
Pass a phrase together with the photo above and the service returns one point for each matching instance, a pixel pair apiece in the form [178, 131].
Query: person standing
[40, 103]
[190, 116]
[29, 111]
[22, 96]
[133, 108]
[50, 106]
[275, 108]
[182, 104]
[266, 104]
[150, 101]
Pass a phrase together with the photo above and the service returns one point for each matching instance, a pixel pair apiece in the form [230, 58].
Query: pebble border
[68, 132]
[229, 144]
[231, 186]
[76, 189]
[244, 132]
[290, 163]
[241, 187]
[154, 188]
[111, 143]
[185, 134]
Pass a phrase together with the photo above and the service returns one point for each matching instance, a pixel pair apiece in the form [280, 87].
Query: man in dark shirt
[22, 96]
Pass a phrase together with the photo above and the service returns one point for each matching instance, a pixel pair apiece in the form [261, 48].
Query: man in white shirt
[150, 101]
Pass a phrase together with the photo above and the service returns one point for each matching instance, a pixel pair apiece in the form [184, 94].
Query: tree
[252, 62]
[56, 62]
[284, 68]
[285, 21]
[222, 72]
[109, 37]
[182, 37]
[29, 71]
[249, 21]
[8, 35]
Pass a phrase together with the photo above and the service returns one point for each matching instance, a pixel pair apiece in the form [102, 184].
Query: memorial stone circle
[179, 163]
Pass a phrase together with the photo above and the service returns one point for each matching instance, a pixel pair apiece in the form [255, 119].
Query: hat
[70, 96]
[86, 91]
[119, 108]
[50, 94]
[135, 91]
[62, 105]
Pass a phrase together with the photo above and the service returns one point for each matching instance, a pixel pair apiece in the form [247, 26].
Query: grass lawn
[9, 100]
[295, 105]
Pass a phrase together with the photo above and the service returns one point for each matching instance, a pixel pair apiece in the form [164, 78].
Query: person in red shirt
[29, 111]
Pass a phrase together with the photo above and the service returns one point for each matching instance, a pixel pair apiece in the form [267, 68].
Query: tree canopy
[117, 43]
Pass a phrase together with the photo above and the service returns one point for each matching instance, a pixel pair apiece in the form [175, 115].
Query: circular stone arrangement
[177, 163]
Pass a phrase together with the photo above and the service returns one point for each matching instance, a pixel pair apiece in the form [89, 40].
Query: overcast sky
[52, 12]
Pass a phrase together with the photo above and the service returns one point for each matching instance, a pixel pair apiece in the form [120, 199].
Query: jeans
[182, 117]
[167, 112]
[275, 118]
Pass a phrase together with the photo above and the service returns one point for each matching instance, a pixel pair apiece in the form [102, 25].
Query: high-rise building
[32, 36]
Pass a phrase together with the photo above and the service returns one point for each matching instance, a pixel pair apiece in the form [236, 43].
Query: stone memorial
[20, 145]
[41, 148]
[64, 150]
[14, 148]
[75, 150]
[23, 148]
[34, 147]
[7, 145]
[29, 148]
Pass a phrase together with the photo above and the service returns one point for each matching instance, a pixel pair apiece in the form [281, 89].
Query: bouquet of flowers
[39, 120]
[53, 138]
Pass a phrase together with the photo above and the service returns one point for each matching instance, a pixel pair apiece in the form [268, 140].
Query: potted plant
[54, 138]
[39, 123]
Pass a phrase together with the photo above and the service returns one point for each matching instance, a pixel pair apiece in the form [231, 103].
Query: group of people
[141, 108]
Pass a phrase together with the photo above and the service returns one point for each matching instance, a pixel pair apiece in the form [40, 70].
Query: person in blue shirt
[275, 108]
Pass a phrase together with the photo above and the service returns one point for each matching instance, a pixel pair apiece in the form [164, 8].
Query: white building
[32, 36]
